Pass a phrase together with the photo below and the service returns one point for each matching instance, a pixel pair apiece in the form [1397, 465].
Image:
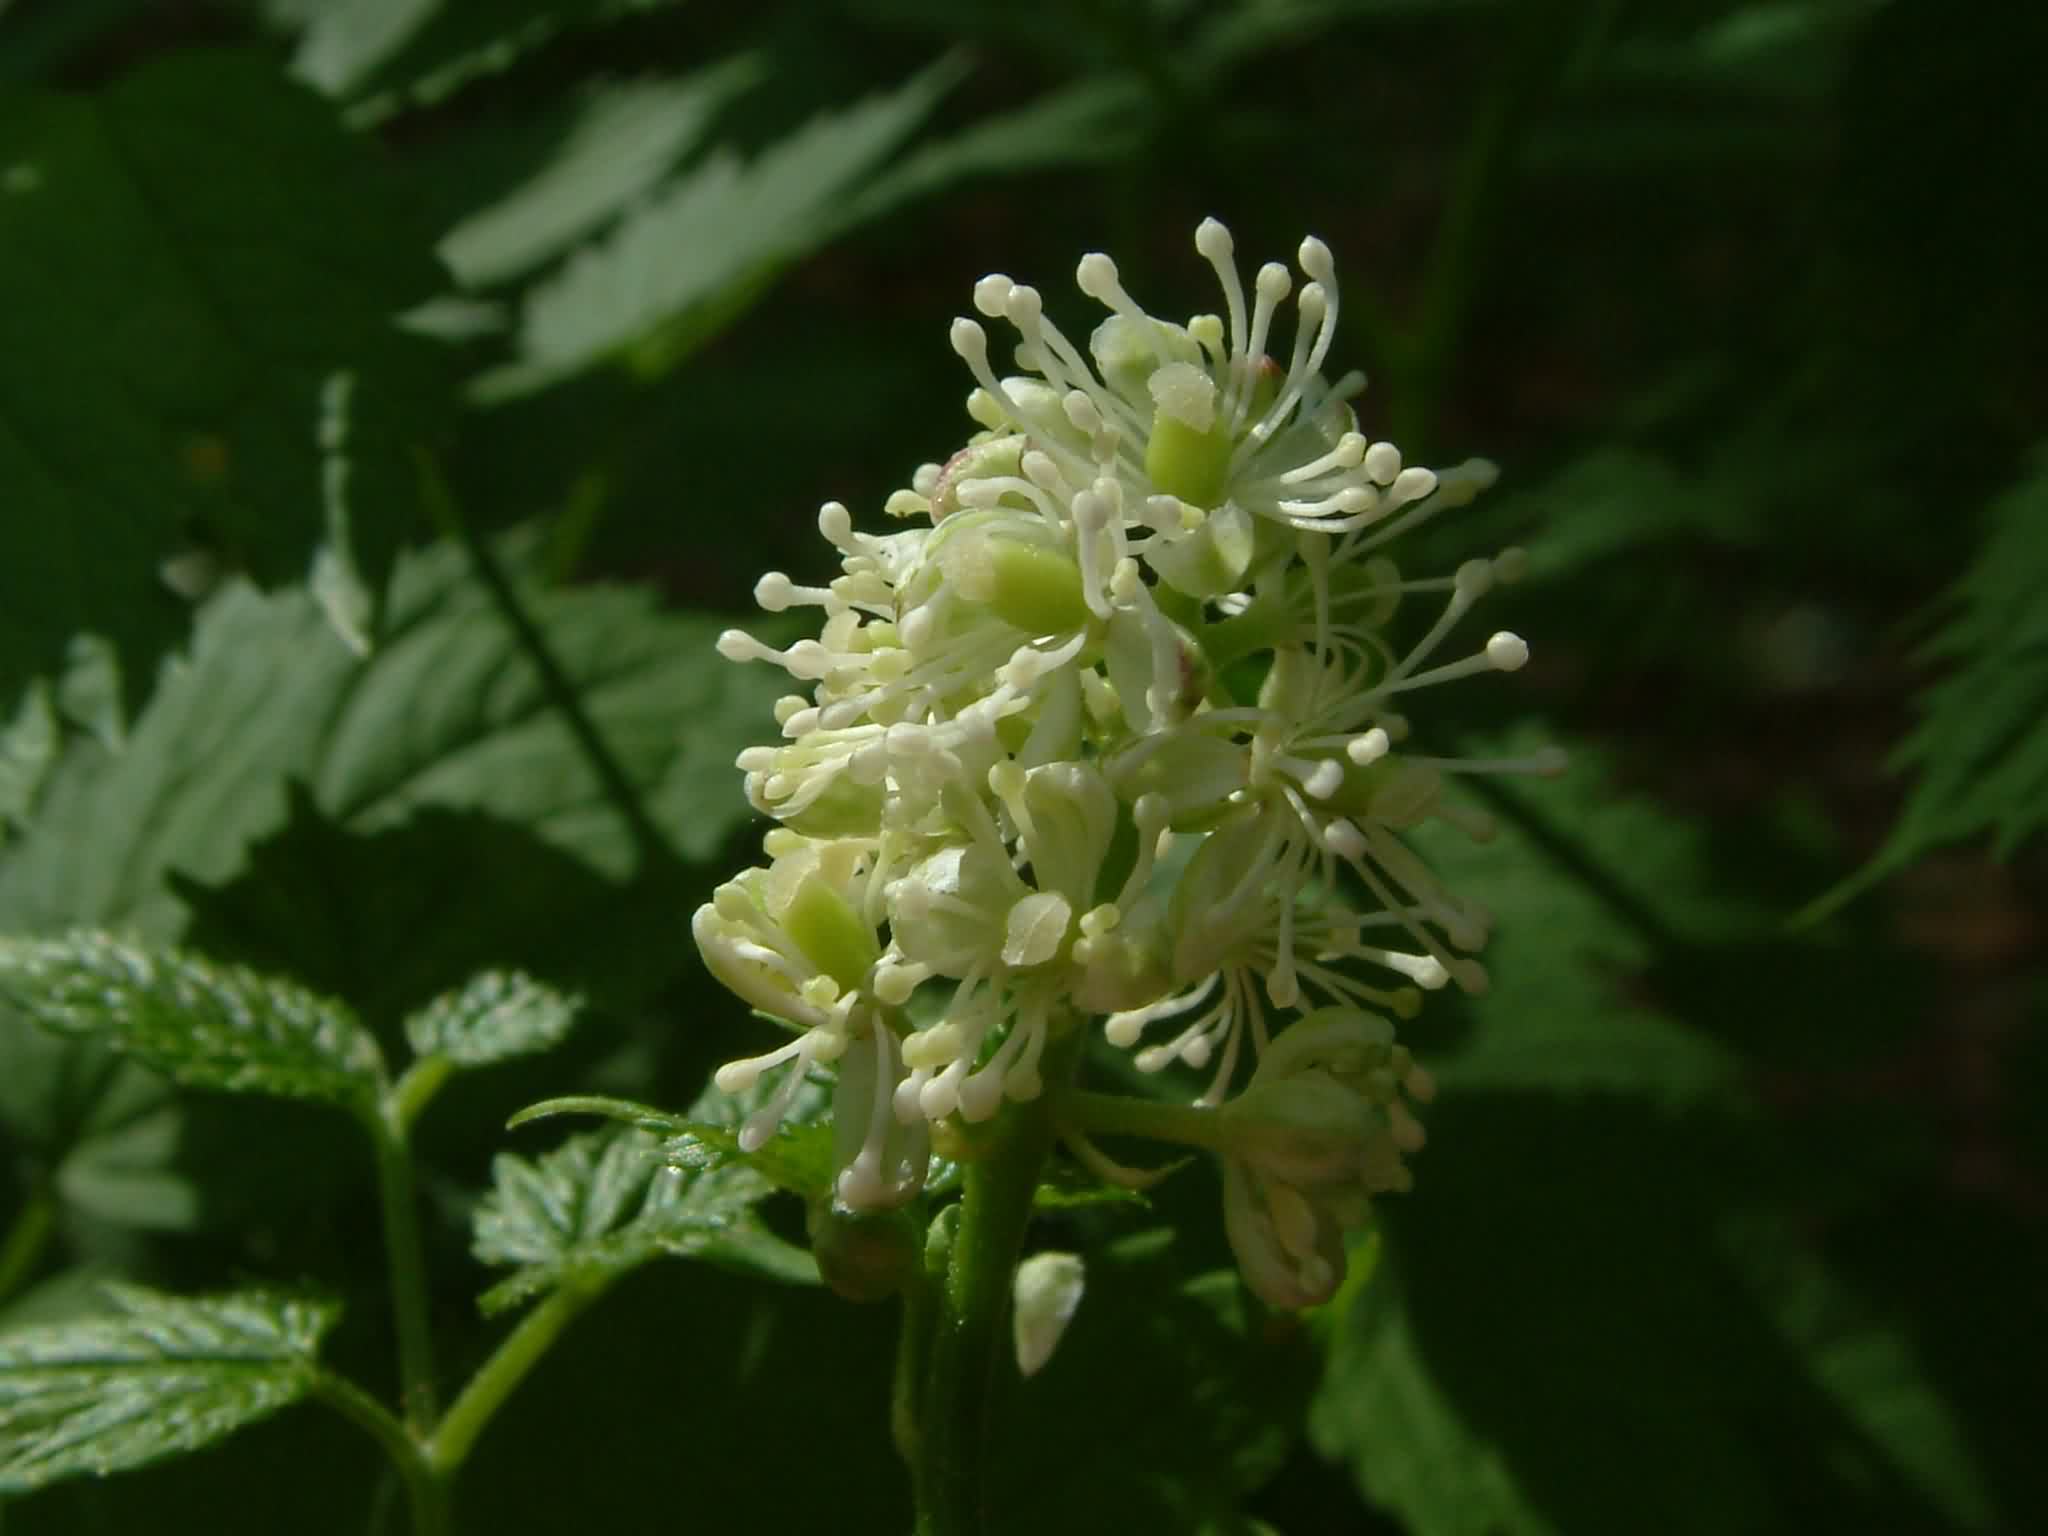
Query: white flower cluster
[1113, 729]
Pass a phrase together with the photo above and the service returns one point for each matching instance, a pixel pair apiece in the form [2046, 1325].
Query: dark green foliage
[178, 329]
[1980, 753]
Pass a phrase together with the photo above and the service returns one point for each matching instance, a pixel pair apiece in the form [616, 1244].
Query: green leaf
[798, 1158]
[447, 713]
[158, 1377]
[28, 750]
[400, 53]
[608, 1201]
[1414, 1451]
[1981, 748]
[177, 331]
[1586, 886]
[207, 1026]
[627, 138]
[705, 244]
[1095, 122]
[498, 1016]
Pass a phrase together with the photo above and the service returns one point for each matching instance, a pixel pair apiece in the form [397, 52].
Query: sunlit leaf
[608, 1201]
[159, 1376]
[207, 1026]
[497, 1016]
[705, 242]
[628, 137]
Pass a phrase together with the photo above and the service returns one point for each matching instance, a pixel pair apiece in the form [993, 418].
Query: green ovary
[831, 934]
[1194, 466]
[1038, 590]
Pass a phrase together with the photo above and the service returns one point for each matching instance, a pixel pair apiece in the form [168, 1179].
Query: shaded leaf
[499, 1015]
[207, 1026]
[177, 310]
[158, 1377]
[1584, 1273]
[394, 918]
[1981, 748]
[1585, 885]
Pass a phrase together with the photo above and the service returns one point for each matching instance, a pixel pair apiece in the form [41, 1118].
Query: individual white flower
[1320, 1129]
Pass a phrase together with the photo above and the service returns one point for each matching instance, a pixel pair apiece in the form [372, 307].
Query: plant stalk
[405, 1256]
[970, 1333]
[426, 1493]
[27, 1238]
[497, 1378]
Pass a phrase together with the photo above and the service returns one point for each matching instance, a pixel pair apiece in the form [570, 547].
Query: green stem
[416, 1087]
[913, 1346]
[560, 689]
[426, 1492]
[405, 1256]
[970, 1334]
[27, 1238]
[508, 1365]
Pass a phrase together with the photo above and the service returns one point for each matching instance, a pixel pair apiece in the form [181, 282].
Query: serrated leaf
[159, 1377]
[399, 53]
[1981, 748]
[28, 750]
[627, 138]
[207, 1026]
[174, 314]
[608, 1201]
[1583, 882]
[498, 1016]
[705, 244]
[446, 713]
[798, 1158]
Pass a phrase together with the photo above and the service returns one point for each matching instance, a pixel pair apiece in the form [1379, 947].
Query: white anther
[1096, 277]
[1508, 652]
[1316, 260]
[991, 293]
[1369, 748]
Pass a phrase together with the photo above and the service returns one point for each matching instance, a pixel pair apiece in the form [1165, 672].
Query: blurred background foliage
[1735, 1212]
